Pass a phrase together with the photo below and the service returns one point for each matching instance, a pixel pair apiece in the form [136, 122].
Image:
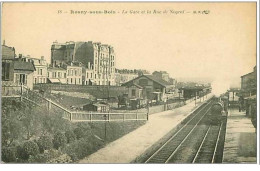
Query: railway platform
[240, 141]
[132, 145]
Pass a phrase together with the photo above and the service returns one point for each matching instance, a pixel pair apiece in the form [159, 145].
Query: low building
[40, 74]
[188, 92]
[248, 98]
[88, 77]
[57, 75]
[97, 107]
[23, 73]
[16, 71]
[249, 83]
[135, 91]
[153, 88]
[74, 73]
[8, 57]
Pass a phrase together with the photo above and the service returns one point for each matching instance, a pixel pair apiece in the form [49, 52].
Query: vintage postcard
[129, 82]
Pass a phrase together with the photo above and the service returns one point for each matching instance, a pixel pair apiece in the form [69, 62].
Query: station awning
[54, 80]
[251, 97]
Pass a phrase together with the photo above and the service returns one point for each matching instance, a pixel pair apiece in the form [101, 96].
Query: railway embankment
[240, 140]
[131, 146]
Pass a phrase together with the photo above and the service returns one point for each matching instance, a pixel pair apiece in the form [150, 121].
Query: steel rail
[176, 133]
[215, 150]
[186, 137]
[194, 159]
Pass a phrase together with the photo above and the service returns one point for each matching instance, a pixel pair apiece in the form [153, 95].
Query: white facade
[74, 75]
[59, 74]
[40, 74]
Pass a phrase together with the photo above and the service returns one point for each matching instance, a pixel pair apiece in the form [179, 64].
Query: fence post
[49, 105]
[136, 116]
[123, 116]
[70, 116]
[147, 116]
[90, 116]
[21, 90]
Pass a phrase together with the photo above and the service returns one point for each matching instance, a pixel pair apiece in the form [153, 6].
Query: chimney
[4, 42]
[20, 56]
[42, 57]
[88, 65]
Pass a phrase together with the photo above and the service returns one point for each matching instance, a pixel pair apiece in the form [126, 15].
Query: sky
[220, 45]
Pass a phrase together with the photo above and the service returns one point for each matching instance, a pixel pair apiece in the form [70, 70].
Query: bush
[82, 148]
[9, 154]
[82, 130]
[59, 140]
[44, 143]
[29, 148]
[50, 156]
[39, 158]
[79, 132]
[64, 158]
[70, 136]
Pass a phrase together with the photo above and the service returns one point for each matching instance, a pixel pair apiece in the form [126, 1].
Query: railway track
[170, 147]
[196, 142]
[208, 148]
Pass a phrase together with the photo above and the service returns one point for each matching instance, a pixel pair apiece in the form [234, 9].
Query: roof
[21, 65]
[136, 85]
[247, 74]
[193, 88]
[158, 81]
[55, 68]
[96, 104]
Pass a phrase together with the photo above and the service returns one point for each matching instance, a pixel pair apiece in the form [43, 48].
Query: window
[71, 80]
[48, 74]
[43, 80]
[40, 71]
[95, 76]
[87, 74]
[59, 74]
[35, 80]
[21, 79]
[91, 75]
[79, 80]
[64, 75]
[67, 81]
[76, 72]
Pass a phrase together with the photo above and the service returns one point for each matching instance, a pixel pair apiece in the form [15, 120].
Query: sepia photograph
[129, 83]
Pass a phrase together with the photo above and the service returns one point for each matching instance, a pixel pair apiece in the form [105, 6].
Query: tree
[79, 132]
[44, 143]
[59, 140]
[70, 136]
[29, 148]
[9, 154]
